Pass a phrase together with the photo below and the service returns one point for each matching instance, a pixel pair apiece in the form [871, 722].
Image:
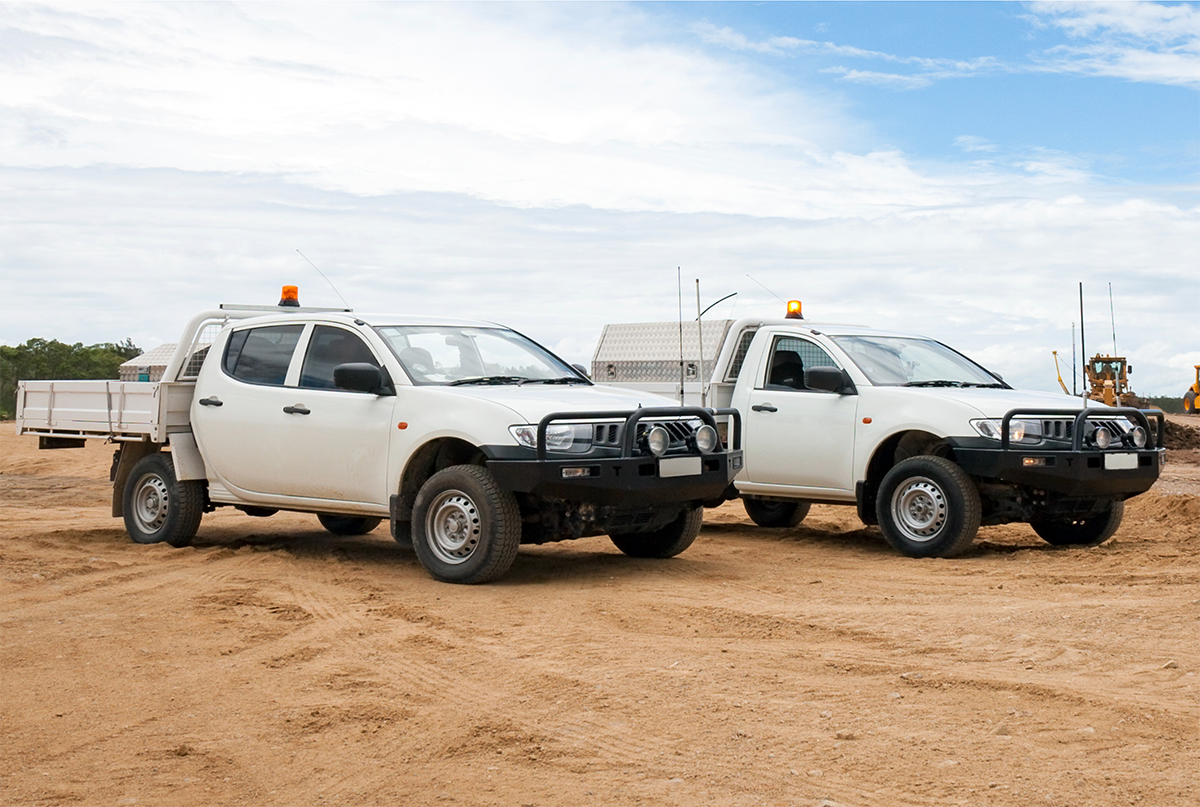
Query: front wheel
[1189, 402]
[465, 528]
[158, 507]
[1081, 532]
[928, 508]
[766, 513]
[666, 542]
[348, 525]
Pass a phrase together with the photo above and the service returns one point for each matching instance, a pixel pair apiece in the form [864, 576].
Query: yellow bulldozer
[1193, 392]
[1108, 380]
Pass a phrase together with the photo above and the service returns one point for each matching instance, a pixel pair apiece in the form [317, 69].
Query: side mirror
[361, 376]
[582, 371]
[829, 379]
[1129, 369]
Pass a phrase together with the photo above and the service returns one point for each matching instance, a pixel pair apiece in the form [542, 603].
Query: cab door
[337, 439]
[795, 436]
[273, 427]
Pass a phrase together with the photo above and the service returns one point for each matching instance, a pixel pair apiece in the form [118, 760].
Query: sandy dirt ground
[274, 664]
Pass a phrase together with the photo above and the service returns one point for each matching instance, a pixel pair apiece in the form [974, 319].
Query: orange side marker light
[402, 425]
[866, 420]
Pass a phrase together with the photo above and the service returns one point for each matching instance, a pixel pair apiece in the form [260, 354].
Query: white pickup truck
[928, 444]
[469, 437]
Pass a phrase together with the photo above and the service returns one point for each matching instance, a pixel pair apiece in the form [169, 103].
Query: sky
[949, 169]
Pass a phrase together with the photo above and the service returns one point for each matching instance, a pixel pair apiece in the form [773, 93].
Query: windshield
[453, 355]
[913, 362]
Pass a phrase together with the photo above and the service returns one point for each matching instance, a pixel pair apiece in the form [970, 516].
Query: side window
[328, 348]
[739, 355]
[261, 355]
[789, 358]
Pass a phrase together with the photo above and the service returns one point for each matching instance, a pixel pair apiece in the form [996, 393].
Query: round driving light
[1139, 437]
[706, 438]
[658, 441]
[1103, 437]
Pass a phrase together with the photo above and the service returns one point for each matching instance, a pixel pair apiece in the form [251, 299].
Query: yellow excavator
[1193, 392]
[1108, 380]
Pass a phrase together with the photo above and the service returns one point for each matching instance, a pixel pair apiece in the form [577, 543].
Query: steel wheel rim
[151, 503]
[919, 509]
[453, 527]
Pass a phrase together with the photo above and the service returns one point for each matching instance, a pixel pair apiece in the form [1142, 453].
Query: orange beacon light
[793, 310]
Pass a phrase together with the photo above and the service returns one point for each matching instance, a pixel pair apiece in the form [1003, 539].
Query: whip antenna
[679, 283]
[1112, 317]
[773, 294]
[327, 280]
[700, 339]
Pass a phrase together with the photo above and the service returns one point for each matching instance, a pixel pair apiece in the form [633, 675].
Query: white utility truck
[926, 443]
[469, 437]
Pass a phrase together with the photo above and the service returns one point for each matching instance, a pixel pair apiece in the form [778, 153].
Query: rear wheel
[348, 525]
[465, 527]
[766, 513]
[928, 508]
[665, 542]
[158, 507]
[1081, 532]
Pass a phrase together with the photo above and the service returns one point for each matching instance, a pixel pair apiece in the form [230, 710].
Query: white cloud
[929, 69]
[521, 164]
[972, 143]
[1145, 42]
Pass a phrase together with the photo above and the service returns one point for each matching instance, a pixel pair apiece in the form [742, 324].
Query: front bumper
[1075, 471]
[627, 479]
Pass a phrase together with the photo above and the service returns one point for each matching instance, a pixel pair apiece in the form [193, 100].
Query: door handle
[764, 408]
[298, 409]
[211, 401]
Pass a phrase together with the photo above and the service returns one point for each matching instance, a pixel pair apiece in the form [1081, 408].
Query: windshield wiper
[570, 379]
[937, 382]
[992, 385]
[488, 379]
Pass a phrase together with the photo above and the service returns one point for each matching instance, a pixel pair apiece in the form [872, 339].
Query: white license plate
[1120, 462]
[679, 466]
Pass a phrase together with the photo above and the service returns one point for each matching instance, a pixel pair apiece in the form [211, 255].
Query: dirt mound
[1180, 437]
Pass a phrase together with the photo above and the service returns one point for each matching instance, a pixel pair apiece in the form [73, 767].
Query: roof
[158, 357]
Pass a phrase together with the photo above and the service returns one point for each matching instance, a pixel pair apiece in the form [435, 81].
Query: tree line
[51, 359]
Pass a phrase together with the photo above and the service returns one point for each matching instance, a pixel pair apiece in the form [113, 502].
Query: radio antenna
[773, 294]
[1082, 341]
[718, 302]
[679, 283]
[327, 280]
[700, 339]
[1112, 317]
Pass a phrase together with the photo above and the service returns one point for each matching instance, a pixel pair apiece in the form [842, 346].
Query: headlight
[575, 438]
[1139, 436]
[1019, 431]
[658, 441]
[706, 439]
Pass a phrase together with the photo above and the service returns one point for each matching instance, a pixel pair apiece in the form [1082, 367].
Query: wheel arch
[431, 457]
[893, 449]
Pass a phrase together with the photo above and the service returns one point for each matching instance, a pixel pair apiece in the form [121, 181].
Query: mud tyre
[1081, 532]
[665, 542]
[348, 525]
[928, 508]
[465, 528]
[158, 507]
[1189, 403]
[766, 513]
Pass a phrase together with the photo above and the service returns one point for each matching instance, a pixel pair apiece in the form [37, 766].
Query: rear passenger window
[262, 355]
